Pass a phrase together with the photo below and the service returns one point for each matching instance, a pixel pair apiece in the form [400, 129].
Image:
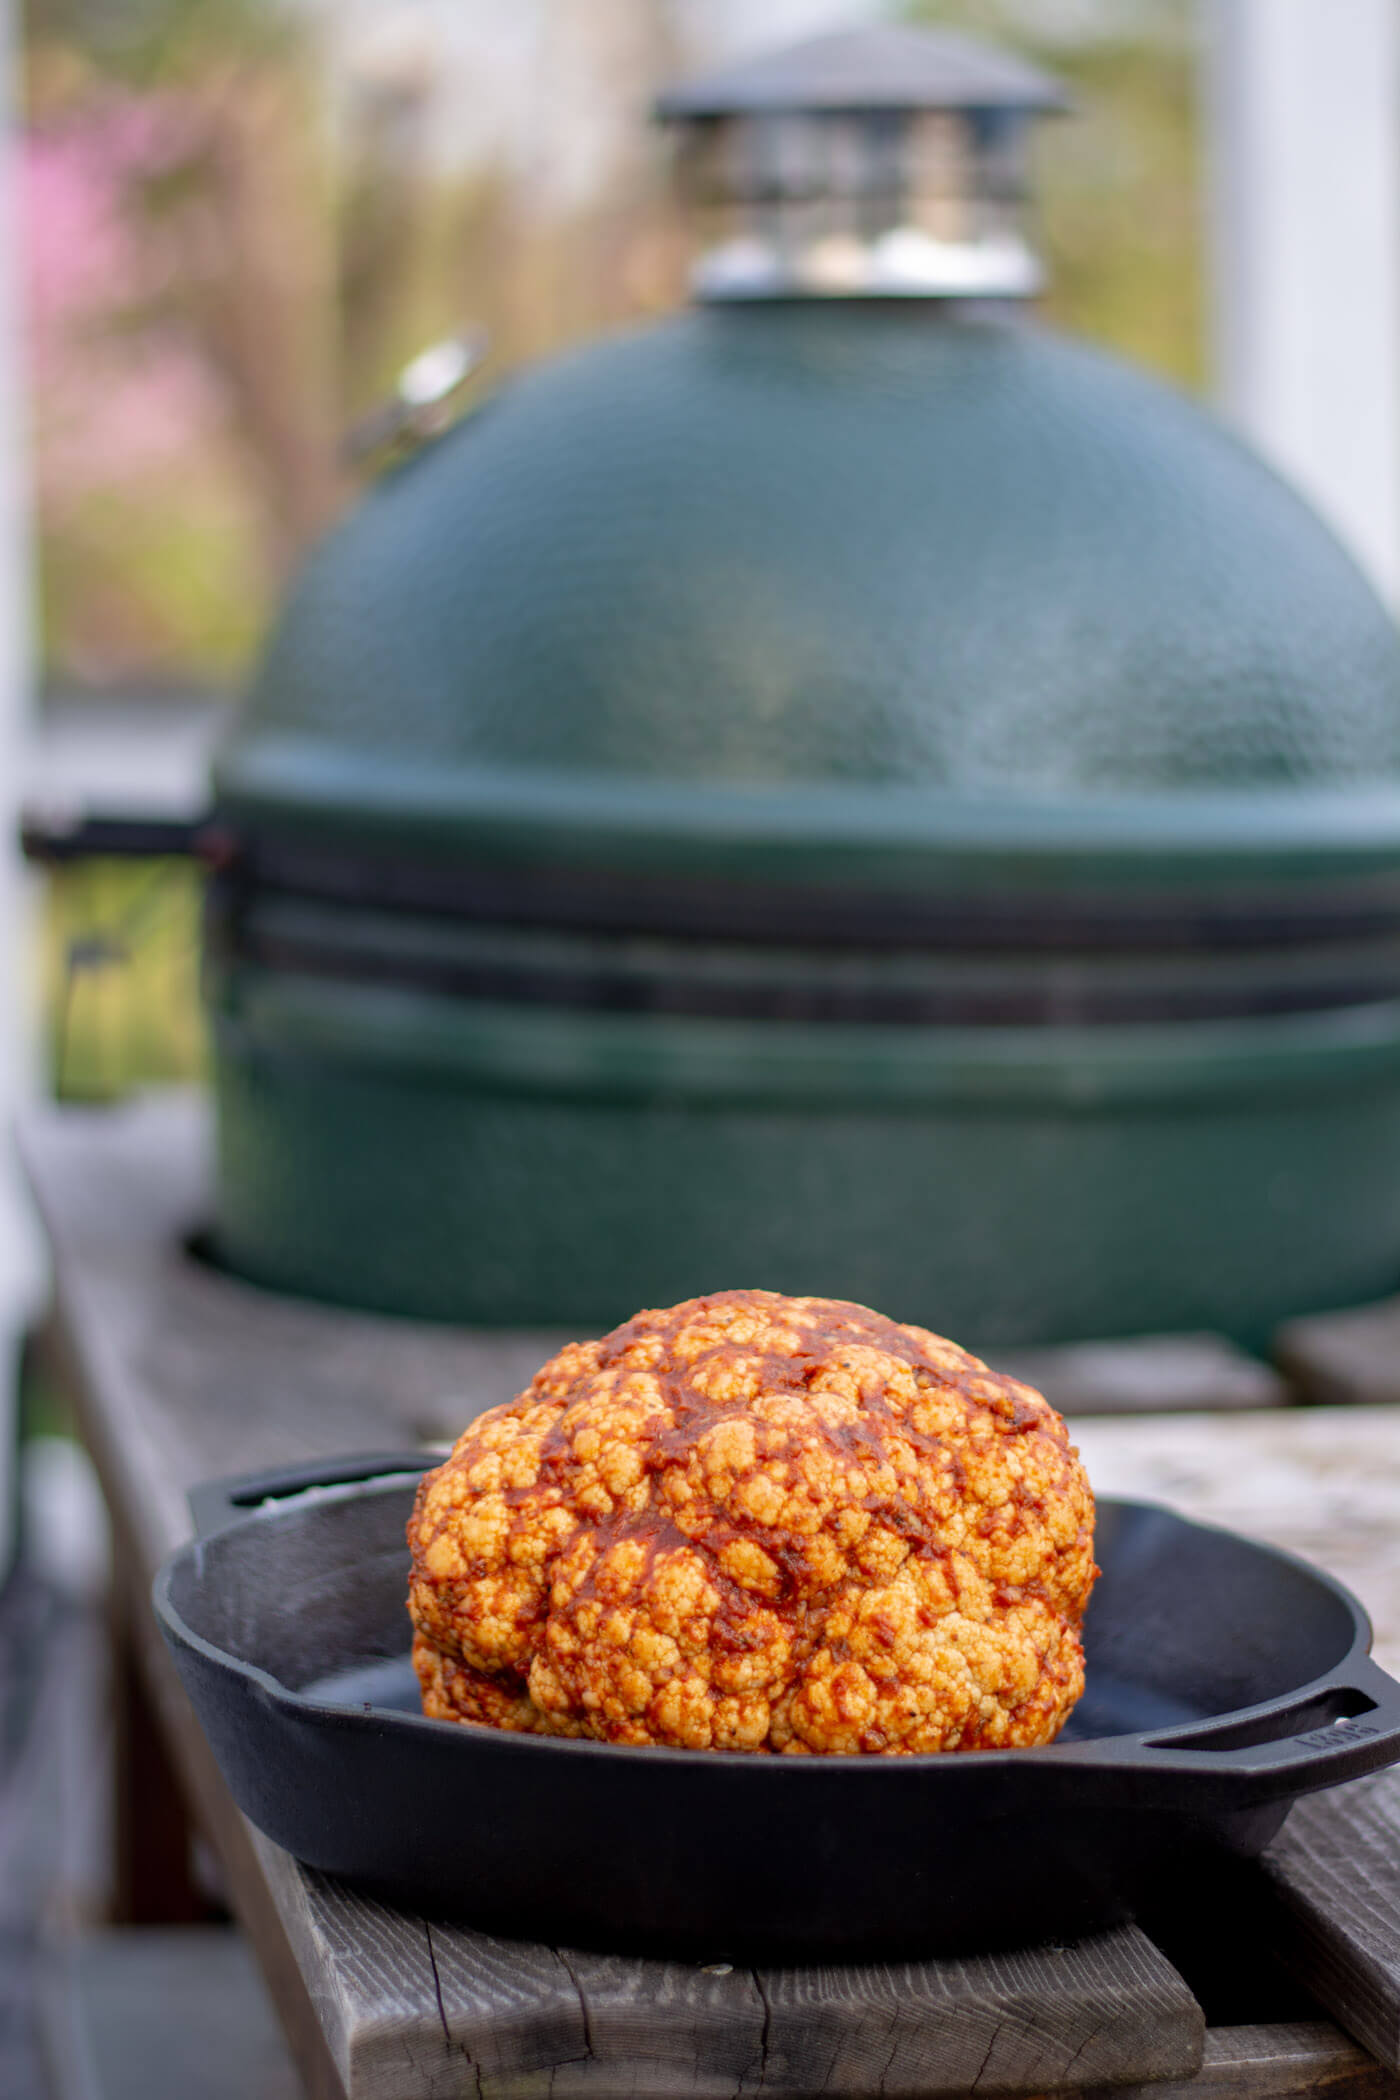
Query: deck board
[181, 1373]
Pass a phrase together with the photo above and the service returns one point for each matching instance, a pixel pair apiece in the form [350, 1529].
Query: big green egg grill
[844, 791]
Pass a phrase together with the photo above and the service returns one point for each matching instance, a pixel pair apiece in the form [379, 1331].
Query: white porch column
[1303, 116]
[19, 1262]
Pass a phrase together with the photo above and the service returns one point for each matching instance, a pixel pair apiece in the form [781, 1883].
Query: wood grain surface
[1349, 1358]
[1324, 1483]
[1335, 1870]
[1276, 2063]
[1147, 1374]
[181, 1373]
[1320, 1482]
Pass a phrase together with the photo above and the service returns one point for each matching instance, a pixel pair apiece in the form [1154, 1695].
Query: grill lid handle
[426, 400]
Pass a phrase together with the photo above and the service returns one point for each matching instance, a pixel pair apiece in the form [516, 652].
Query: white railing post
[18, 1255]
[1303, 120]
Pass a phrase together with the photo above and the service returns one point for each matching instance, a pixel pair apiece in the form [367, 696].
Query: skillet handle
[216, 1505]
[1346, 1727]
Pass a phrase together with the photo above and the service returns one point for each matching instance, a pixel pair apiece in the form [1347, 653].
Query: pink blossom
[118, 390]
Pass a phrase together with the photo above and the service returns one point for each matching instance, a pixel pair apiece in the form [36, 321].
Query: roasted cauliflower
[758, 1523]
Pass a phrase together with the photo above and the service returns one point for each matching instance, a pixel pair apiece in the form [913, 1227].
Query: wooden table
[178, 1373]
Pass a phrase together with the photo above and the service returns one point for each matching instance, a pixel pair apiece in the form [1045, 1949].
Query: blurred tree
[270, 228]
[279, 255]
[1120, 178]
[230, 259]
[563, 230]
[224, 180]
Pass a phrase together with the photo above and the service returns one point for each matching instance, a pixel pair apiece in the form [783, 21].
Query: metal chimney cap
[869, 69]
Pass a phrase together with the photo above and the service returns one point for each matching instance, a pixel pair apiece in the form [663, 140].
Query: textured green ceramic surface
[752, 581]
[871, 598]
[1001, 1185]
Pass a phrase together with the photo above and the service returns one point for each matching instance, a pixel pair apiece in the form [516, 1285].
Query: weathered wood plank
[647, 2029]
[508, 2018]
[1101, 2011]
[1344, 1358]
[402, 2011]
[1146, 1374]
[1274, 2063]
[415, 2009]
[1335, 1872]
[206, 1374]
[1322, 1482]
[183, 1373]
[164, 2014]
[267, 1888]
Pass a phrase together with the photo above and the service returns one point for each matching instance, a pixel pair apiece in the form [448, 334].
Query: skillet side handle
[1346, 1727]
[217, 1505]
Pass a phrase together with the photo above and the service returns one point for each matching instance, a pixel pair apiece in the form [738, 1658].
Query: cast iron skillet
[1224, 1679]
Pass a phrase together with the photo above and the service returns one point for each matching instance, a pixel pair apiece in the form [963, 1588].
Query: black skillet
[1224, 1679]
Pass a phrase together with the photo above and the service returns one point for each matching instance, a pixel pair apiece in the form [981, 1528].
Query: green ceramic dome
[809, 547]
[852, 793]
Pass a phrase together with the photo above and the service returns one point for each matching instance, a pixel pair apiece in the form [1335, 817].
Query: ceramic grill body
[858, 795]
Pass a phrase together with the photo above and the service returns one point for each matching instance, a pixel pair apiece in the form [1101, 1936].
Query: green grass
[120, 959]
[45, 1406]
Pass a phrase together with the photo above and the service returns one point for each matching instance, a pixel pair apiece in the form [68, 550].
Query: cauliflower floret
[759, 1523]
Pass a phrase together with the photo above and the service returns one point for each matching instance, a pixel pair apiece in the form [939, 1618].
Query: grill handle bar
[52, 837]
[1340, 1727]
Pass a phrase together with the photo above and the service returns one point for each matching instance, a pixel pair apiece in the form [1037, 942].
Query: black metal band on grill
[952, 987]
[591, 900]
[1083, 1004]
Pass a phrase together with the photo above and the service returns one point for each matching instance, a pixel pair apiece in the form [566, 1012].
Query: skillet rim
[1116, 1753]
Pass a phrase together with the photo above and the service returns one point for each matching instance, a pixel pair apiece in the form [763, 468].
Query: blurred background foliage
[245, 215]
[1122, 212]
[120, 997]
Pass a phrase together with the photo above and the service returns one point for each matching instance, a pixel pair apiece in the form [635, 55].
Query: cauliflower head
[758, 1523]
